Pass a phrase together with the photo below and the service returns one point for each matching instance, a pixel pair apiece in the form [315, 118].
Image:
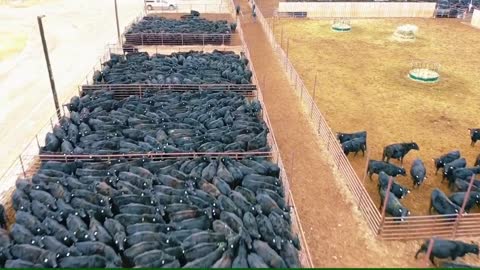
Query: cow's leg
[401, 160]
[472, 143]
[363, 152]
[370, 175]
[431, 259]
[430, 208]
[422, 249]
[356, 152]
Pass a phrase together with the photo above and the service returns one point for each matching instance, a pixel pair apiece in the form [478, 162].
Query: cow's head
[49, 259]
[120, 240]
[414, 145]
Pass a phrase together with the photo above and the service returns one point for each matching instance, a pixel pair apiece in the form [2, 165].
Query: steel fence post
[23, 168]
[385, 202]
[465, 199]
[429, 251]
[314, 90]
[38, 143]
[281, 38]
[366, 168]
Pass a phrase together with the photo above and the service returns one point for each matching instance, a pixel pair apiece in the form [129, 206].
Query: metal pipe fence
[414, 227]
[223, 7]
[181, 39]
[121, 91]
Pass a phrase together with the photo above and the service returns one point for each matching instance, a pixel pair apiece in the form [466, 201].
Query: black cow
[375, 166]
[477, 161]
[398, 151]
[117, 230]
[462, 185]
[355, 145]
[474, 135]
[343, 137]
[399, 190]
[442, 204]
[394, 207]
[458, 198]
[418, 172]
[446, 158]
[456, 265]
[449, 167]
[3, 217]
[447, 249]
[462, 173]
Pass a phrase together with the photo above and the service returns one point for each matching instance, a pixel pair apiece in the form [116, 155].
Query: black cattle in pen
[474, 135]
[398, 151]
[444, 249]
[444, 159]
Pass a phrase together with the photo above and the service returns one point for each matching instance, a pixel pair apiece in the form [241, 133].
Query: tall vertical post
[385, 203]
[429, 251]
[47, 59]
[281, 38]
[314, 92]
[366, 168]
[118, 24]
[465, 200]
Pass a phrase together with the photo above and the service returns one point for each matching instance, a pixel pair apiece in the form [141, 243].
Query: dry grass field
[362, 84]
[11, 44]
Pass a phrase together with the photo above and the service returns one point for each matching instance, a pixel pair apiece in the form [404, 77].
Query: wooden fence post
[385, 202]
[460, 214]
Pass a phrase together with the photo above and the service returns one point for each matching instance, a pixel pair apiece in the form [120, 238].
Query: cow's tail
[384, 154]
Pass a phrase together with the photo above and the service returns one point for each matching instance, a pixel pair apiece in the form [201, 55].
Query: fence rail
[182, 39]
[223, 7]
[121, 91]
[387, 228]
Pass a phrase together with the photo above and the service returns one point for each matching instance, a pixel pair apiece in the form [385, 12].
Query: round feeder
[406, 32]
[341, 26]
[424, 75]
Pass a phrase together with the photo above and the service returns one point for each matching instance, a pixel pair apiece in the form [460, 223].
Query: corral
[367, 89]
[173, 37]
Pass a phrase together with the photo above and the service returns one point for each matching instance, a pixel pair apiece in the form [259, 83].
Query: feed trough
[424, 72]
[341, 25]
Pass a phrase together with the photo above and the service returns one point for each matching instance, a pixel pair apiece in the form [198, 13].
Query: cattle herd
[196, 212]
[218, 67]
[189, 30]
[163, 122]
[454, 170]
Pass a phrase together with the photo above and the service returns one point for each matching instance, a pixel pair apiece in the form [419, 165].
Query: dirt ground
[363, 85]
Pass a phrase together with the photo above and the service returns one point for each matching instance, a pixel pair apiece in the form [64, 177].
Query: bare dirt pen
[362, 84]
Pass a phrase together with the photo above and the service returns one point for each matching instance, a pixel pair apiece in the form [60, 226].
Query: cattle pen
[29, 161]
[387, 228]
